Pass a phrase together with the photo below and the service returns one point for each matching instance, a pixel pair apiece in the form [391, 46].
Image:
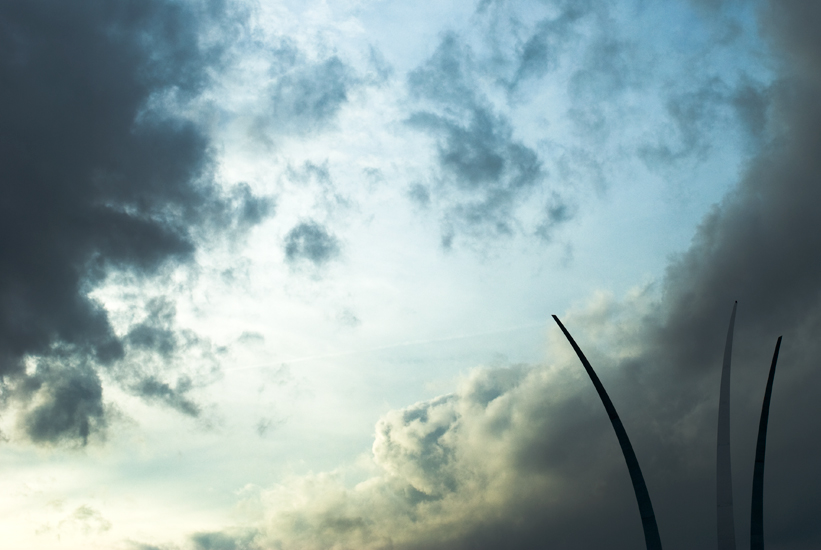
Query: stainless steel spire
[757, 508]
[648, 518]
[724, 475]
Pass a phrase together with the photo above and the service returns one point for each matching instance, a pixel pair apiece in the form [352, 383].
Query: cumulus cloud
[497, 464]
[99, 175]
[525, 457]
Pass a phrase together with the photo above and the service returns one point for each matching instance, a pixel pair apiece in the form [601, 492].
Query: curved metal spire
[648, 519]
[724, 476]
[757, 509]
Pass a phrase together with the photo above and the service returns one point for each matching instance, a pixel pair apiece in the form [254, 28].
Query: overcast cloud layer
[252, 215]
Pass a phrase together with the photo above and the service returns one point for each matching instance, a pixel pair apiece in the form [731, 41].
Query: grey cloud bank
[95, 180]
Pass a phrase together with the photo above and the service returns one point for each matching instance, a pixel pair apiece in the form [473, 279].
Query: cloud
[609, 66]
[484, 173]
[557, 212]
[100, 175]
[694, 115]
[222, 541]
[315, 178]
[311, 94]
[498, 463]
[142, 546]
[752, 105]
[61, 402]
[446, 76]
[240, 209]
[303, 93]
[155, 332]
[88, 520]
[539, 54]
[312, 242]
[84, 520]
[152, 389]
[163, 363]
[757, 244]
[419, 194]
[524, 457]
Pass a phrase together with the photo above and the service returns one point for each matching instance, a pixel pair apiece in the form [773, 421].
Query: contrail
[381, 348]
[648, 519]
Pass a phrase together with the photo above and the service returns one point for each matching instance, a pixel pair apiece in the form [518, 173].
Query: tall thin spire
[724, 475]
[648, 518]
[757, 508]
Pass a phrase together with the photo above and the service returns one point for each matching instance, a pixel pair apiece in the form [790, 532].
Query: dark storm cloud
[484, 172]
[312, 242]
[94, 179]
[752, 104]
[760, 246]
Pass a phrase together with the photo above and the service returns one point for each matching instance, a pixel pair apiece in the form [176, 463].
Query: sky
[279, 275]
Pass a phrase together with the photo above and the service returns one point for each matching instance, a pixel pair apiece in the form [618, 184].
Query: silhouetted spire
[648, 518]
[757, 508]
[724, 475]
